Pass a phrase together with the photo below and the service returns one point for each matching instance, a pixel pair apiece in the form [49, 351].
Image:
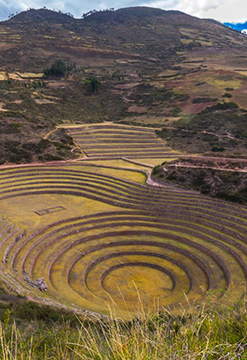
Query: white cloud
[231, 10]
[193, 7]
[221, 10]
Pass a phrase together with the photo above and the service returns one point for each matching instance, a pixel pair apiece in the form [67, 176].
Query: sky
[221, 10]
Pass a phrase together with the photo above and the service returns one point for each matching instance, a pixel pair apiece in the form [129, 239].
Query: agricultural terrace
[96, 235]
[111, 141]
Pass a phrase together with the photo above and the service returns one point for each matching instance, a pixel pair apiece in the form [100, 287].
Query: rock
[26, 277]
[40, 284]
[18, 238]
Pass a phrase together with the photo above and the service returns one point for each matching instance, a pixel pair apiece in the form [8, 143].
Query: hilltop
[34, 17]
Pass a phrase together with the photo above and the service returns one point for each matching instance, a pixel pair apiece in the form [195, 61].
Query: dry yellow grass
[1, 107]
[3, 76]
[28, 75]
[43, 101]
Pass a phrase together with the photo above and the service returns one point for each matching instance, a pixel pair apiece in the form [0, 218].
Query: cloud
[193, 7]
[230, 10]
[218, 9]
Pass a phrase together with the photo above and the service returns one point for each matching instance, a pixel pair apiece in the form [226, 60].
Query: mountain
[136, 31]
[154, 67]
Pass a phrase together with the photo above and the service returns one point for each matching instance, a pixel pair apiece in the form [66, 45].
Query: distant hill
[137, 31]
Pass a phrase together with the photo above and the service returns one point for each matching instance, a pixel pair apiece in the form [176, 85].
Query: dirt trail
[219, 163]
[150, 181]
[49, 133]
[206, 167]
[215, 159]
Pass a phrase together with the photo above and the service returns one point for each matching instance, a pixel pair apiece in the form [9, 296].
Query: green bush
[156, 169]
[94, 84]
[58, 69]
[217, 149]
[201, 100]
[227, 95]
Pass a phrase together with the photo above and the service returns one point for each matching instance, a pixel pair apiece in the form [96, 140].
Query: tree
[58, 69]
[95, 84]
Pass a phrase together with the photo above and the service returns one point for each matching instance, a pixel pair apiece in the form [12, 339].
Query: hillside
[154, 66]
[222, 178]
[132, 31]
[219, 130]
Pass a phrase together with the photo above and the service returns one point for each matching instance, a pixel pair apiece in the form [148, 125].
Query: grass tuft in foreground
[195, 334]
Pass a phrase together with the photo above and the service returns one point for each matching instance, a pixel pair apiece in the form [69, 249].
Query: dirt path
[215, 159]
[150, 181]
[49, 133]
[220, 168]
[219, 163]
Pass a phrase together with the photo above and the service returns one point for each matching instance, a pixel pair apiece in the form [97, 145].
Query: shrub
[156, 169]
[227, 95]
[58, 69]
[217, 149]
[95, 84]
[201, 100]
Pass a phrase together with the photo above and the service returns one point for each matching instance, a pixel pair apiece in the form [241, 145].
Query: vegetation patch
[217, 332]
[58, 69]
[220, 178]
[218, 129]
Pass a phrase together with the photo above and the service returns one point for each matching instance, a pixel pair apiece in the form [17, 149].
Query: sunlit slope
[100, 236]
